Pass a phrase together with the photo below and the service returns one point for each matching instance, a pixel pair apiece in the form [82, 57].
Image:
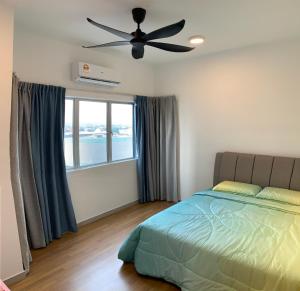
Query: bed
[223, 241]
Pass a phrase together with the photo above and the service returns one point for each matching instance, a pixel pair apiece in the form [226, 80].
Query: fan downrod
[138, 15]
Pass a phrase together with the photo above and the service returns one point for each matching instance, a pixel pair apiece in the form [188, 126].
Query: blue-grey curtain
[157, 148]
[48, 206]
[30, 197]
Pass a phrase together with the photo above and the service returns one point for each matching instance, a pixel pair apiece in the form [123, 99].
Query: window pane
[68, 134]
[122, 139]
[92, 133]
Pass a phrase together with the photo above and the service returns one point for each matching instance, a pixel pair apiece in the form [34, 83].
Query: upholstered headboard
[258, 169]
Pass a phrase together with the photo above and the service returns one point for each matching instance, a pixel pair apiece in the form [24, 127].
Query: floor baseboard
[16, 278]
[102, 215]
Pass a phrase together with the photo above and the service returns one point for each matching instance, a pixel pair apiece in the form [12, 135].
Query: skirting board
[16, 278]
[95, 218]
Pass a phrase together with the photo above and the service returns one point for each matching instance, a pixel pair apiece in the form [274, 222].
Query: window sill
[71, 170]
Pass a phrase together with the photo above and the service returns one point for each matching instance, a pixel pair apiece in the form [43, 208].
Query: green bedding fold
[220, 241]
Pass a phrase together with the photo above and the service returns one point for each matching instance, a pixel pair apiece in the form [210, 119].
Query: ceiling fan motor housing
[138, 15]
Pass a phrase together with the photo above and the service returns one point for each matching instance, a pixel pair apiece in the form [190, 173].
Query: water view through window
[92, 144]
[92, 133]
[68, 140]
[122, 140]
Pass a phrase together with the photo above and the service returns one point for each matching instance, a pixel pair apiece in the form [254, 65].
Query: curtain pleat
[156, 141]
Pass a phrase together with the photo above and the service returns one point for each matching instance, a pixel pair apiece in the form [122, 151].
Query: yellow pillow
[237, 187]
[280, 194]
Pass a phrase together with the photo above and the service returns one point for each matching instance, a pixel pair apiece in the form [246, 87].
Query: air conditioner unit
[89, 73]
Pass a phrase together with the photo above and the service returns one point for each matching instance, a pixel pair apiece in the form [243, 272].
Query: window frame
[109, 133]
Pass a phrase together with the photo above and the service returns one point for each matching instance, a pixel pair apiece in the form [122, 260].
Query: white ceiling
[226, 24]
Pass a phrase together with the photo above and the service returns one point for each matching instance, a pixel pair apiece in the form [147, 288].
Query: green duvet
[220, 241]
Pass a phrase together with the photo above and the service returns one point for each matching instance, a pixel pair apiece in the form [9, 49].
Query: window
[122, 138]
[92, 133]
[97, 132]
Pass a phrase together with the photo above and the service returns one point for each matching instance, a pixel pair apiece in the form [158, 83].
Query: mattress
[220, 241]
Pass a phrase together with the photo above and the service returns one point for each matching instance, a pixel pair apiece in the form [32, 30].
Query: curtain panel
[157, 148]
[16, 129]
[41, 193]
[47, 141]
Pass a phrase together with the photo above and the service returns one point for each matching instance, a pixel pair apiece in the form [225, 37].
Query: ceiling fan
[138, 39]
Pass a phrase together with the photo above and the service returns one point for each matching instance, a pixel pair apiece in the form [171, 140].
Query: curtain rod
[103, 92]
[92, 91]
[115, 93]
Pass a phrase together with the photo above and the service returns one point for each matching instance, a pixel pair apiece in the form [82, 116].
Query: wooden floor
[87, 260]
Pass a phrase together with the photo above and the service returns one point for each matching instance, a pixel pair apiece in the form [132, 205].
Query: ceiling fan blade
[119, 33]
[137, 52]
[166, 31]
[114, 43]
[170, 47]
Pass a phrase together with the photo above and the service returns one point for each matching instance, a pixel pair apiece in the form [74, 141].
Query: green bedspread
[220, 241]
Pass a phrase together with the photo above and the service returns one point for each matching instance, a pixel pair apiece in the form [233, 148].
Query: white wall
[43, 60]
[245, 100]
[10, 255]
[241, 100]
[100, 189]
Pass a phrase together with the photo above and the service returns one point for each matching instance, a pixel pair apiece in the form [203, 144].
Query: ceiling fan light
[196, 39]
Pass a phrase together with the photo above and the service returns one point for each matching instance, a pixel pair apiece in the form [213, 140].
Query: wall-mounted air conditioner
[89, 73]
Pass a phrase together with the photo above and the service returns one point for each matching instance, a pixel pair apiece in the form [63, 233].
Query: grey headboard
[261, 170]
